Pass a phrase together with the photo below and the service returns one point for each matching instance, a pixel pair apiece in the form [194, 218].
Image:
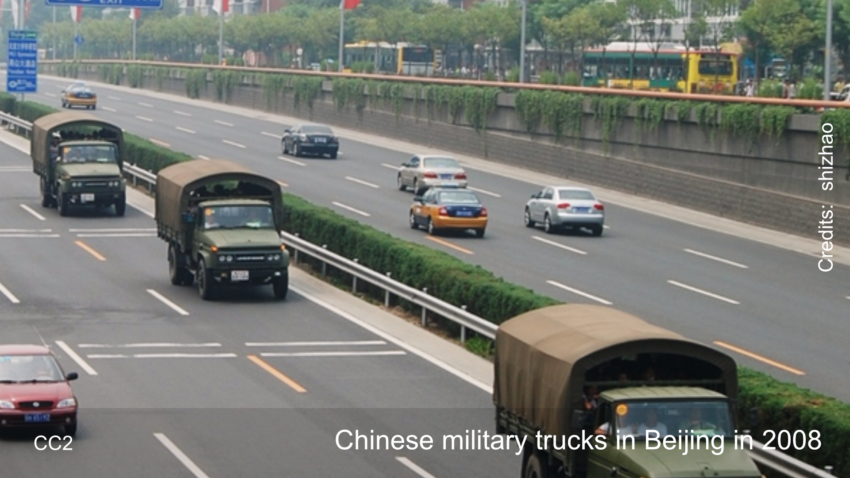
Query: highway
[769, 307]
[172, 386]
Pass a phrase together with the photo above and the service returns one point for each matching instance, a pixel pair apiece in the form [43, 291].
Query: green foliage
[571, 79]
[224, 81]
[349, 91]
[7, 102]
[774, 120]
[548, 78]
[195, 82]
[650, 112]
[480, 346]
[770, 89]
[135, 76]
[839, 118]
[306, 90]
[810, 89]
[707, 116]
[741, 119]
[608, 110]
[111, 73]
[274, 90]
[68, 69]
[479, 104]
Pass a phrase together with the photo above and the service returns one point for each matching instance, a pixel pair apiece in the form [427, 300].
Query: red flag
[27, 10]
[351, 4]
[77, 13]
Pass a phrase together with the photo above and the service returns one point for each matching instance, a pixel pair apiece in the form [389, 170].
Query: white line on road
[182, 113]
[144, 118]
[414, 467]
[148, 105]
[110, 356]
[314, 344]
[333, 354]
[562, 246]
[117, 229]
[700, 291]
[52, 95]
[143, 345]
[715, 258]
[160, 143]
[578, 292]
[25, 230]
[167, 302]
[360, 181]
[297, 163]
[358, 211]
[76, 358]
[390, 166]
[29, 210]
[225, 123]
[120, 234]
[271, 134]
[201, 156]
[10, 236]
[9, 295]
[15, 168]
[114, 98]
[111, 110]
[233, 144]
[185, 130]
[187, 462]
[483, 191]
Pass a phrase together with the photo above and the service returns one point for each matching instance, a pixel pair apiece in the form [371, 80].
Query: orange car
[448, 208]
[79, 94]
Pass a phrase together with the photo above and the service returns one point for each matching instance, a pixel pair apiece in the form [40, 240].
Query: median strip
[277, 374]
[759, 358]
[449, 245]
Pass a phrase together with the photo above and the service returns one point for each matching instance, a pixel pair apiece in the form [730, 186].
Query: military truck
[222, 223]
[79, 159]
[600, 375]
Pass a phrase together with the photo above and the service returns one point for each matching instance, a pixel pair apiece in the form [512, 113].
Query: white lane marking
[185, 130]
[144, 118]
[106, 356]
[182, 113]
[390, 166]
[225, 123]
[25, 230]
[848, 297]
[9, 295]
[29, 210]
[15, 168]
[606, 227]
[333, 354]
[270, 134]
[297, 163]
[161, 143]
[52, 95]
[578, 292]
[314, 344]
[110, 356]
[700, 291]
[360, 181]
[140, 209]
[117, 229]
[715, 258]
[389, 338]
[114, 98]
[167, 302]
[187, 462]
[562, 246]
[358, 211]
[414, 467]
[111, 110]
[76, 358]
[143, 345]
[483, 191]
[148, 105]
[10, 236]
[120, 234]
[201, 156]
[233, 144]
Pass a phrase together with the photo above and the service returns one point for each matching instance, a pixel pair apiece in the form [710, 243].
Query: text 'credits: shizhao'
[826, 226]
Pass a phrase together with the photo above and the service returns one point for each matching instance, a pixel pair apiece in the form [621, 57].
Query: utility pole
[522, 77]
[827, 54]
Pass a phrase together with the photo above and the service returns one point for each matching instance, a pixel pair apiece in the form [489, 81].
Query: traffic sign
[144, 4]
[78, 39]
[22, 63]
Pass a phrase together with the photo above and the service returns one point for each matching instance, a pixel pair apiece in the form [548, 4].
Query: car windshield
[440, 163]
[639, 418]
[458, 197]
[238, 217]
[575, 194]
[315, 129]
[29, 368]
[89, 154]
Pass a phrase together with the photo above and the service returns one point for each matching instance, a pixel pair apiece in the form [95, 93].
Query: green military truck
[618, 389]
[79, 159]
[222, 223]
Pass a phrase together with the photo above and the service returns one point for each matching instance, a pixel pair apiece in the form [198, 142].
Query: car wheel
[412, 220]
[547, 225]
[596, 230]
[283, 147]
[400, 182]
[71, 430]
[416, 186]
[528, 221]
[479, 233]
[333, 155]
[431, 229]
[296, 150]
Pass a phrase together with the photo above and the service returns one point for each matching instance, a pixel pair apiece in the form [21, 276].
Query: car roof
[430, 156]
[453, 190]
[570, 188]
[24, 349]
[315, 124]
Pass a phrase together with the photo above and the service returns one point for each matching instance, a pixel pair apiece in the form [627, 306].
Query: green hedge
[784, 406]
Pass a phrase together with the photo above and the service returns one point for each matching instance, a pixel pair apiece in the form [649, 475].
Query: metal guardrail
[774, 460]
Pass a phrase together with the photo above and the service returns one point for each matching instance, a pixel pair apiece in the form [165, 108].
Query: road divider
[272, 135]
[715, 258]
[289, 160]
[161, 356]
[277, 374]
[578, 292]
[185, 460]
[167, 302]
[75, 357]
[559, 245]
[349, 208]
[360, 181]
[91, 251]
[9, 295]
[31, 211]
[760, 358]
[449, 245]
[703, 292]
[390, 166]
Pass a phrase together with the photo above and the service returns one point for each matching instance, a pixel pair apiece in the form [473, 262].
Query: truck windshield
[238, 217]
[88, 154]
[637, 418]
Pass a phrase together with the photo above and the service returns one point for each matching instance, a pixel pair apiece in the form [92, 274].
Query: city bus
[673, 69]
[382, 57]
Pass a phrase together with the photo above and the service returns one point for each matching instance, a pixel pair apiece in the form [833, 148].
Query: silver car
[426, 171]
[558, 207]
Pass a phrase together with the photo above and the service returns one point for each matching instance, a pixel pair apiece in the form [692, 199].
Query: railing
[784, 464]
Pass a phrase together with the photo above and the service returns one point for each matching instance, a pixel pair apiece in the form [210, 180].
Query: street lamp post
[827, 53]
[522, 42]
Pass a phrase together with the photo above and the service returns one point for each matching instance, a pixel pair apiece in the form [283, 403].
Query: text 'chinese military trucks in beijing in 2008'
[222, 223]
[79, 159]
[596, 373]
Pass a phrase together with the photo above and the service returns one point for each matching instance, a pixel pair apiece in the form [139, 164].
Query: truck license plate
[236, 276]
[88, 197]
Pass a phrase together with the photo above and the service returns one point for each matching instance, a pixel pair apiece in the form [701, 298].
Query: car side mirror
[753, 417]
[188, 218]
[405, 165]
[417, 199]
[286, 131]
[72, 376]
[581, 418]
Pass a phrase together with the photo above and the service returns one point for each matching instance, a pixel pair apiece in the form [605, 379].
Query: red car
[34, 390]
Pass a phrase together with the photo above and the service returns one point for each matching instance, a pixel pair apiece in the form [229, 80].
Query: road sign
[144, 4]
[78, 39]
[22, 64]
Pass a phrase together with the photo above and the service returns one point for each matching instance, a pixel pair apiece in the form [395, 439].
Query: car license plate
[88, 197]
[36, 417]
[321, 140]
[450, 183]
[446, 176]
[581, 209]
[238, 276]
[464, 213]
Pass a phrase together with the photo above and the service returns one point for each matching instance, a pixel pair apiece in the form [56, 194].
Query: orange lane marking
[760, 358]
[449, 244]
[91, 251]
[277, 374]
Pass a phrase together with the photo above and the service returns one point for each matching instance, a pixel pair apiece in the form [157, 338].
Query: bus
[382, 57]
[673, 68]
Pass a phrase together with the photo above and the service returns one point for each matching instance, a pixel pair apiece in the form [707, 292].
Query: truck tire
[121, 206]
[280, 286]
[535, 468]
[206, 284]
[62, 204]
[178, 274]
[46, 200]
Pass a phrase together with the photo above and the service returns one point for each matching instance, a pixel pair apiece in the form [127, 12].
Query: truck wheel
[535, 468]
[179, 275]
[280, 286]
[62, 204]
[120, 207]
[46, 200]
[205, 281]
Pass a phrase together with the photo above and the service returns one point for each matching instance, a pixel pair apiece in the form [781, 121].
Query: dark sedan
[310, 139]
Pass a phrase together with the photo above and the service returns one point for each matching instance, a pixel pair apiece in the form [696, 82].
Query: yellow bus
[672, 69]
[382, 57]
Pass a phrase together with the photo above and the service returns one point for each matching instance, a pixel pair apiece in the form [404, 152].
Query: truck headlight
[114, 184]
[67, 403]
[75, 184]
[274, 257]
[228, 258]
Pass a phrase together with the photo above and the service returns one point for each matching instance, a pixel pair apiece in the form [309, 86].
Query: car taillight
[460, 176]
[599, 207]
[483, 212]
[429, 174]
[564, 205]
[443, 212]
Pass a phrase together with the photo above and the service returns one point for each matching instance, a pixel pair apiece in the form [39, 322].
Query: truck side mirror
[188, 218]
[582, 419]
[753, 417]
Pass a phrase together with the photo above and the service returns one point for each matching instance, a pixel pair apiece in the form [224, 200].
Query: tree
[610, 18]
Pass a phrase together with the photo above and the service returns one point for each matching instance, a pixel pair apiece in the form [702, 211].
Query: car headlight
[67, 403]
[6, 404]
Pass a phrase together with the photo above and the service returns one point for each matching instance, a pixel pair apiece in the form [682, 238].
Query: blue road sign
[78, 39]
[143, 4]
[22, 64]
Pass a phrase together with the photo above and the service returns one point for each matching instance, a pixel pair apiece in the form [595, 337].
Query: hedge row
[784, 406]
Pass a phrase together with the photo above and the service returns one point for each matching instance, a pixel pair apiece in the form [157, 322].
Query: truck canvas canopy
[71, 125]
[545, 358]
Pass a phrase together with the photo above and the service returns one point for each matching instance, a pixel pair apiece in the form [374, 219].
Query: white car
[558, 207]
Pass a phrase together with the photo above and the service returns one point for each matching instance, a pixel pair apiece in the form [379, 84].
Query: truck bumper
[248, 276]
[100, 198]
